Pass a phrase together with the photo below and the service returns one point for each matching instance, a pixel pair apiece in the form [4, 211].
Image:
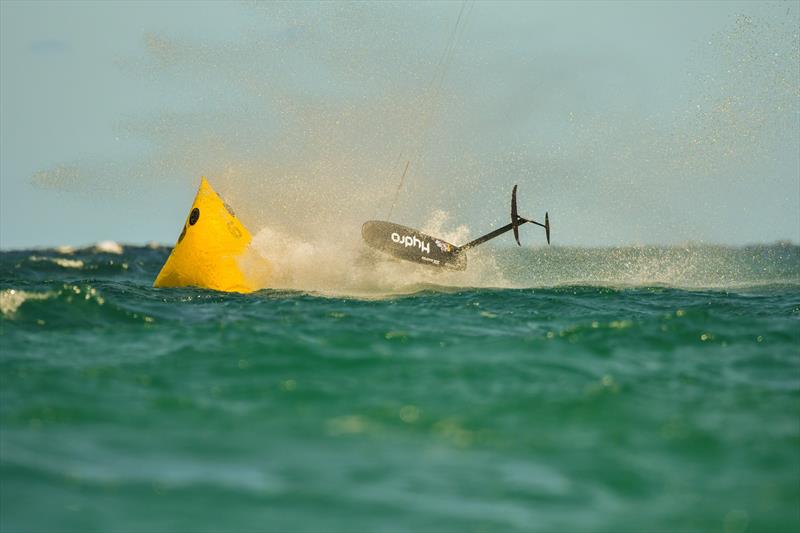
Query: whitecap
[68, 263]
[65, 249]
[60, 261]
[109, 247]
[12, 299]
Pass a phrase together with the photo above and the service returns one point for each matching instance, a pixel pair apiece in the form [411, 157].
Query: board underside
[411, 245]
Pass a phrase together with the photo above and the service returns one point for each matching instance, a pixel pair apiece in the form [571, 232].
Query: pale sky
[630, 122]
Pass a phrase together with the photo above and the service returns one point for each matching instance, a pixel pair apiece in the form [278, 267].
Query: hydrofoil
[412, 245]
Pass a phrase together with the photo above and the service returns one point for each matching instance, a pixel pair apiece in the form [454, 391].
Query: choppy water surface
[598, 390]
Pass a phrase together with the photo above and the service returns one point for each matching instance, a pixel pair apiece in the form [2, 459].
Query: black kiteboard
[412, 245]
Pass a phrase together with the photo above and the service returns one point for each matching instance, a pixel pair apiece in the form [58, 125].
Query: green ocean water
[621, 389]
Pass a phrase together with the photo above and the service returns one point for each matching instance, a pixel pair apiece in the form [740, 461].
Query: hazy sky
[631, 122]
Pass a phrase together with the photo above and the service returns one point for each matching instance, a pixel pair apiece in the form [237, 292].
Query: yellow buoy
[213, 249]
